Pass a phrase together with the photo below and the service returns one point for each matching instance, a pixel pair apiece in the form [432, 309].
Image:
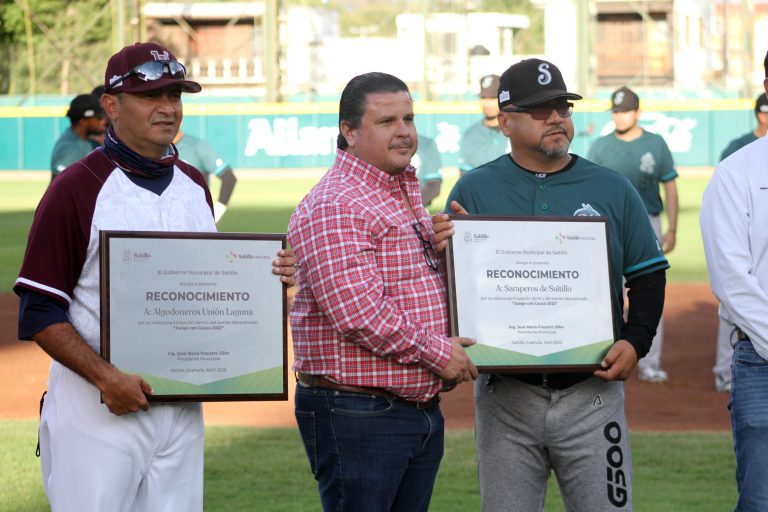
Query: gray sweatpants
[525, 431]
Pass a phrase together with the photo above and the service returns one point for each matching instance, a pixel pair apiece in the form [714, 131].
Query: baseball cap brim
[135, 85]
[544, 96]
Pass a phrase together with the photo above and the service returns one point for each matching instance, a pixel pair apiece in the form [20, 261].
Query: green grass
[265, 205]
[249, 469]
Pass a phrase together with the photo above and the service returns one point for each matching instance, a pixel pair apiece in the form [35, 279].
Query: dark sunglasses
[430, 255]
[543, 111]
[152, 70]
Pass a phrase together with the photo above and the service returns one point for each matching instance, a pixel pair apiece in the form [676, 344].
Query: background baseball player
[645, 159]
[202, 156]
[572, 423]
[483, 141]
[428, 163]
[86, 121]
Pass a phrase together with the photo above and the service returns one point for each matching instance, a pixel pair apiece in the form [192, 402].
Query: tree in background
[53, 46]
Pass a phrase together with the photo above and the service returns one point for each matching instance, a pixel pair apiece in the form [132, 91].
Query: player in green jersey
[483, 141]
[573, 423]
[86, 118]
[201, 155]
[761, 115]
[645, 159]
[428, 163]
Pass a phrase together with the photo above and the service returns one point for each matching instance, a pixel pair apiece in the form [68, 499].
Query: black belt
[557, 381]
[741, 335]
[322, 382]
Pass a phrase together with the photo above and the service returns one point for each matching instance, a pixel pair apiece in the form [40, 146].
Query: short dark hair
[765, 64]
[355, 96]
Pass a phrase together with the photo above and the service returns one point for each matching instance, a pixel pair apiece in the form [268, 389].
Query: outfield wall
[303, 135]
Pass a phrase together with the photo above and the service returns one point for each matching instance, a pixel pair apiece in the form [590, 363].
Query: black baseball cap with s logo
[530, 82]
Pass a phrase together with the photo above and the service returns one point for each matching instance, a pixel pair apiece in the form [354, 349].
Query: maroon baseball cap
[125, 73]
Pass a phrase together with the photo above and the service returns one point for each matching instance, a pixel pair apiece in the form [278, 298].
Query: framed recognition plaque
[535, 292]
[199, 316]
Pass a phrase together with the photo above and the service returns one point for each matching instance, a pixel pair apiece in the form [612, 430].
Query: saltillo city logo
[470, 237]
[138, 257]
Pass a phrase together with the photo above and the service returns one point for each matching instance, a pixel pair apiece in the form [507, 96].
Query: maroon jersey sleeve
[59, 236]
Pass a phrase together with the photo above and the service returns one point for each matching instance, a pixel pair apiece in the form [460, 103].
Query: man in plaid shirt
[370, 319]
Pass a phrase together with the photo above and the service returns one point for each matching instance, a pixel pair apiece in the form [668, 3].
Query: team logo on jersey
[231, 256]
[586, 210]
[560, 237]
[545, 77]
[647, 163]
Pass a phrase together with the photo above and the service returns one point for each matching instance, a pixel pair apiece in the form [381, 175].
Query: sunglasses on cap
[543, 111]
[152, 70]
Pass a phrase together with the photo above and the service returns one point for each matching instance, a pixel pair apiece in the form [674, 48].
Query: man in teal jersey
[86, 120]
[574, 423]
[725, 331]
[428, 163]
[761, 115]
[483, 141]
[645, 159]
[200, 154]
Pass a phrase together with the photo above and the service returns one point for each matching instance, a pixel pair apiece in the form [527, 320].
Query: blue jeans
[749, 420]
[369, 453]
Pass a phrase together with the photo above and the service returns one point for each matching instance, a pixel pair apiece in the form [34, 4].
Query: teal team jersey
[645, 161]
[501, 187]
[737, 144]
[481, 144]
[69, 149]
[201, 155]
[427, 160]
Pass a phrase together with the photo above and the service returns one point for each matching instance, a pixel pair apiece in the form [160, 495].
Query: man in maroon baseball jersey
[119, 455]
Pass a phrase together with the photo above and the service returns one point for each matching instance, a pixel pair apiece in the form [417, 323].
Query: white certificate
[535, 292]
[200, 316]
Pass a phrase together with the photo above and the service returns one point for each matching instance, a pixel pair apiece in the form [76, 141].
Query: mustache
[554, 131]
[402, 145]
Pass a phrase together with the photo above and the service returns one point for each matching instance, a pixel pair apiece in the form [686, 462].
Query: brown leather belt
[322, 382]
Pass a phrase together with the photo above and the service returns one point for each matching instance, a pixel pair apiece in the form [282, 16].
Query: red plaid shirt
[369, 310]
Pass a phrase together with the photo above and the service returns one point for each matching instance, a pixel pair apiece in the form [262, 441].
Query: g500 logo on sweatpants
[617, 481]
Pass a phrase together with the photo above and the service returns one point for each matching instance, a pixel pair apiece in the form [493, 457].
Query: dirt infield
[687, 402]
